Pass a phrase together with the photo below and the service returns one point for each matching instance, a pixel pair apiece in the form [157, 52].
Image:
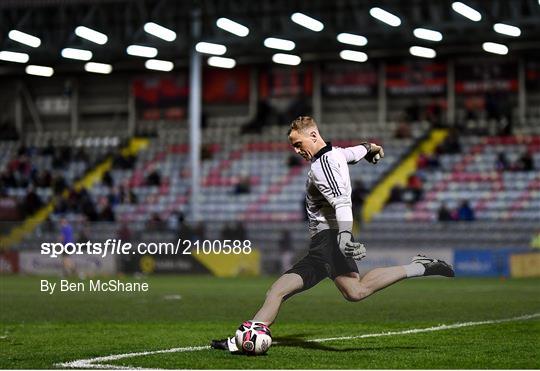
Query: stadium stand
[33, 171]
[506, 191]
[150, 196]
[154, 192]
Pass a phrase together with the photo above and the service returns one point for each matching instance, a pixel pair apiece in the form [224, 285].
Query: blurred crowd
[22, 172]
[34, 177]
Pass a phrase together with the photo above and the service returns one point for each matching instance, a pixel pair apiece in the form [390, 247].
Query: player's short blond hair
[302, 123]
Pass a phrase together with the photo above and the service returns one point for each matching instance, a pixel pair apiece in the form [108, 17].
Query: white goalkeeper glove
[375, 152]
[349, 248]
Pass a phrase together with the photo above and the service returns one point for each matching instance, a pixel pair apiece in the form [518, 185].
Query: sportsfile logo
[118, 247]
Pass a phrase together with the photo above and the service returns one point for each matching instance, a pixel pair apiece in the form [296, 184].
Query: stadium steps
[92, 177]
[377, 198]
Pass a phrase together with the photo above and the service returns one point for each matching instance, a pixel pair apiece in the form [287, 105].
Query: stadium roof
[54, 22]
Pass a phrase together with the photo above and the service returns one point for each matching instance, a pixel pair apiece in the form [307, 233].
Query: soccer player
[332, 252]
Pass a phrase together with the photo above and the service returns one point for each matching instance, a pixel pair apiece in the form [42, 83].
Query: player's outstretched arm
[369, 151]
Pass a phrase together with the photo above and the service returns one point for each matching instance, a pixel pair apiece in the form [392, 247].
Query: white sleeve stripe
[327, 178]
[338, 192]
[330, 176]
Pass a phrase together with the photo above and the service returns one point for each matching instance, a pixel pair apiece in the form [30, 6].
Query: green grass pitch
[39, 330]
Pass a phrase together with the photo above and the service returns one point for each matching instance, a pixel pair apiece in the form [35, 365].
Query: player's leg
[305, 274]
[302, 276]
[348, 281]
[286, 286]
[355, 288]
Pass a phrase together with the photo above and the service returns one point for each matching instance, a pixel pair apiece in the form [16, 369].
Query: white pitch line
[429, 329]
[96, 362]
[92, 362]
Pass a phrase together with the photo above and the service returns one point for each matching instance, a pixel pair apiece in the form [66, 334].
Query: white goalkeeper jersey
[328, 185]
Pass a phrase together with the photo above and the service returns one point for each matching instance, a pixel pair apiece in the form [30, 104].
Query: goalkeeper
[333, 252]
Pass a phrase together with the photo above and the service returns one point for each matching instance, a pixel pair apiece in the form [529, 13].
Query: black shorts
[324, 259]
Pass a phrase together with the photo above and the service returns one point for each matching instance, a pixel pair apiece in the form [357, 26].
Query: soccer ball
[253, 338]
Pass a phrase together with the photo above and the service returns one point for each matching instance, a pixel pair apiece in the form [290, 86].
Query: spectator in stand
[433, 162]
[155, 223]
[23, 169]
[60, 205]
[403, 130]
[32, 202]
[81, 156]
[58, 184]
[434, 112]
[22, 150]
[473, 106]
[44, 179]
[422, 161]
[7, 179]
[123, 162]
[206, 152]
[525, 162]
[124, 233]
[451, 144]
[501, 163]
[127, 196]
[396, 194]
[106, 213]
[444, 214]
[427, 162]
[61, 157]
[83, 193]
[185, 232]
[48, 150]
[73, 199]
[107, 179]
[243, 186]
[114, 196]
[415, 186]
[153, 179]
[87, 206]
[465, 212]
